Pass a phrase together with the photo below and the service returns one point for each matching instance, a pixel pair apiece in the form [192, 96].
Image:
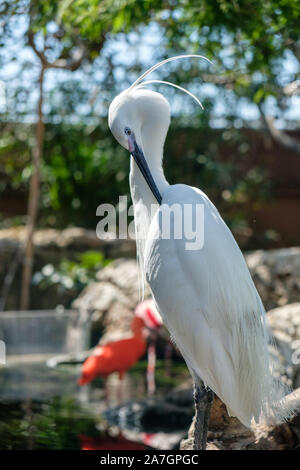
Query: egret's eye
[127, 131]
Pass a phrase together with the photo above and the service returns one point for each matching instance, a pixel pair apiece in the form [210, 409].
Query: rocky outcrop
[112, 299]
[285, 326]
[276, 274]
[227, 433]
[71, 238]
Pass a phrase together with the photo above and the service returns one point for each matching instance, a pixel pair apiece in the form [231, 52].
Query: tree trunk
[34, 193]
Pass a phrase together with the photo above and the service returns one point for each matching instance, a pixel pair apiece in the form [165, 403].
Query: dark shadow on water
[42, 408]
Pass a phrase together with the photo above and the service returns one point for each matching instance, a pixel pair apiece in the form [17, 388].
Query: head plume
[139, 82]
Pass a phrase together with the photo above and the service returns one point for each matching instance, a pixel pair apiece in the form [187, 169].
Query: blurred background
[62, 290]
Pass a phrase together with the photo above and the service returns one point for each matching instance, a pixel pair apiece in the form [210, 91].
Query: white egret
[206, 296]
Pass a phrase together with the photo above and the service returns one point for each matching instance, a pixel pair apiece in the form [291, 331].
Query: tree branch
[292, 89]
[223, 80]
[60, 63]
[279, 136]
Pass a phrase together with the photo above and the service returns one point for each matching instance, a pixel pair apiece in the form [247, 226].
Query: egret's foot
[203, 397]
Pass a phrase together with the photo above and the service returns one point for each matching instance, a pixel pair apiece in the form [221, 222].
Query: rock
[219, 418]
[112, 299]
[100, 297]
[223, 430]
[227, 433]
[285, 326]
[124, 274]
[276, 274]
[74, 237]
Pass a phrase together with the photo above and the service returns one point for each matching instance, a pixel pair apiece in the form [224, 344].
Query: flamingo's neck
[138, 331]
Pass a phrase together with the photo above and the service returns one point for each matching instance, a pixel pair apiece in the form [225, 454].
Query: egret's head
[138, 112]
[122, 117]
[139, 119]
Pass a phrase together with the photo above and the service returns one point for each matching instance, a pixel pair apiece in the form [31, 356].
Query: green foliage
[83, 166]
[71, 275]
[246, 39]
[218, 163]
[60, 423]
[55, 425]
[65, 24]
[14, 156]
[81, 171]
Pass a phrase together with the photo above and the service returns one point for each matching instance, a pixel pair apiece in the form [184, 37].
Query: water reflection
[44, 408]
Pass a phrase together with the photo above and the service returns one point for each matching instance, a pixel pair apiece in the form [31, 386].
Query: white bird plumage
[207, 298]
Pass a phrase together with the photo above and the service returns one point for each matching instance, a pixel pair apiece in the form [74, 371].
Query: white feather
[210, 305]
[163, 62]
[148, 82]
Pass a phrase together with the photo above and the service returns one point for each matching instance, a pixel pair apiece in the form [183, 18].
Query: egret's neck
[140, 191]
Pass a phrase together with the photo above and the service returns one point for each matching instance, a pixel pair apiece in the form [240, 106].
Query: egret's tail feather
[281, 409]
[255, 395]
[263, 395]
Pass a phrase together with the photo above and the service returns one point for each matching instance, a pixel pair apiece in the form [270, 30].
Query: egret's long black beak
[140, 160]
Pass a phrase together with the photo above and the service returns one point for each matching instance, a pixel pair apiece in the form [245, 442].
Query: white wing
[210, 305]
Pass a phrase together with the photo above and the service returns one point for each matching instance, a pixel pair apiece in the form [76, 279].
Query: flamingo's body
[117, 356]
[205, 296]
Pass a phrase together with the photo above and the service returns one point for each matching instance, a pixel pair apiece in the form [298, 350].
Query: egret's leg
[203, 397]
